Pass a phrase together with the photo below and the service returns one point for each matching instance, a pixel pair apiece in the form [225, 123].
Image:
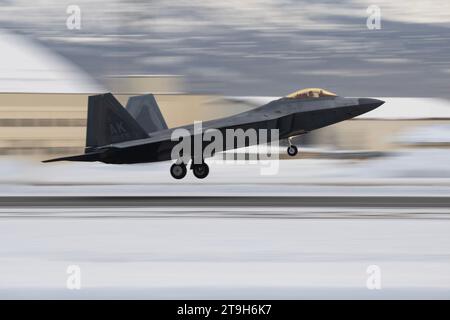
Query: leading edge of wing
[88, 157]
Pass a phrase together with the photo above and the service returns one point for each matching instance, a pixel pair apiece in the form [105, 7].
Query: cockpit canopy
[311, 93]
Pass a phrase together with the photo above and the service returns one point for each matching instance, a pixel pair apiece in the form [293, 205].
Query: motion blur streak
[372, 191]
[219, 258]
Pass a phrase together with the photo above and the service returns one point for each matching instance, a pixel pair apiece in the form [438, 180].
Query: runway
[195, 201]
[305, 207]
[224, 247]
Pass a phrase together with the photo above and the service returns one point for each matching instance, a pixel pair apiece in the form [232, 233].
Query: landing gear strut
[292, 150]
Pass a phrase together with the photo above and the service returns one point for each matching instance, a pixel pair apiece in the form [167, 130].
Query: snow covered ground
[410, 172]
[214, 252]
[208, 258]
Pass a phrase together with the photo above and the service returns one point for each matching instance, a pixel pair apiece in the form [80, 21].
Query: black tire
[292, 151]
[178, 171]
[201, 171]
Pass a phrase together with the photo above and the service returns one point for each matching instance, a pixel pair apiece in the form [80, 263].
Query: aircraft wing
[88, 157]
[166, 135]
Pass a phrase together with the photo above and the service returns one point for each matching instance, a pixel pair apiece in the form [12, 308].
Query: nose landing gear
[292, 150]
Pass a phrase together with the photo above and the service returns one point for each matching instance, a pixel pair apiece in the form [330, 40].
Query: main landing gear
[200, 171]
[179, 170]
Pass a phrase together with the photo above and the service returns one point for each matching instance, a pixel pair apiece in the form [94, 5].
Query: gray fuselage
[291, 117]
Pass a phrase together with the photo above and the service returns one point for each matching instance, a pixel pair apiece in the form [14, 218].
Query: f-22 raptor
[139, 133]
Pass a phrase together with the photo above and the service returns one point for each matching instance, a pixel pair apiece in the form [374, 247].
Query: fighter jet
[139, 133]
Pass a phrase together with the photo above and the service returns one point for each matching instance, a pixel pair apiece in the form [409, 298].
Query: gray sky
[253, 47]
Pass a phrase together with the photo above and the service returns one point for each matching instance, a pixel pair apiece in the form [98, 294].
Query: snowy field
[410, 172]
[228, 252]
[208, 258]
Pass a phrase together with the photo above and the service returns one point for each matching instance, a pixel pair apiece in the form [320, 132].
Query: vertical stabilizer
[108, 122]
[146, 111]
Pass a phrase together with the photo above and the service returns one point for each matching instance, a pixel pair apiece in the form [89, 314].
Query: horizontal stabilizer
[88, 157]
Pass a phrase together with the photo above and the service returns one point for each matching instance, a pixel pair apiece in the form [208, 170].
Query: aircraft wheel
[178, 171]
[292, 151]
[201, 171]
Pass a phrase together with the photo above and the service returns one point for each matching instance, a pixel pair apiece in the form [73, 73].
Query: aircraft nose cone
[369, 103]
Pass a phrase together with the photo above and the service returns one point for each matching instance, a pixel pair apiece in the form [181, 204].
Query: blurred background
[384, 176]
[206, 60]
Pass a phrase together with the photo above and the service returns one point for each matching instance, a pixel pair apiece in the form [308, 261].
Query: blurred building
[43, 99]
[55, 123]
